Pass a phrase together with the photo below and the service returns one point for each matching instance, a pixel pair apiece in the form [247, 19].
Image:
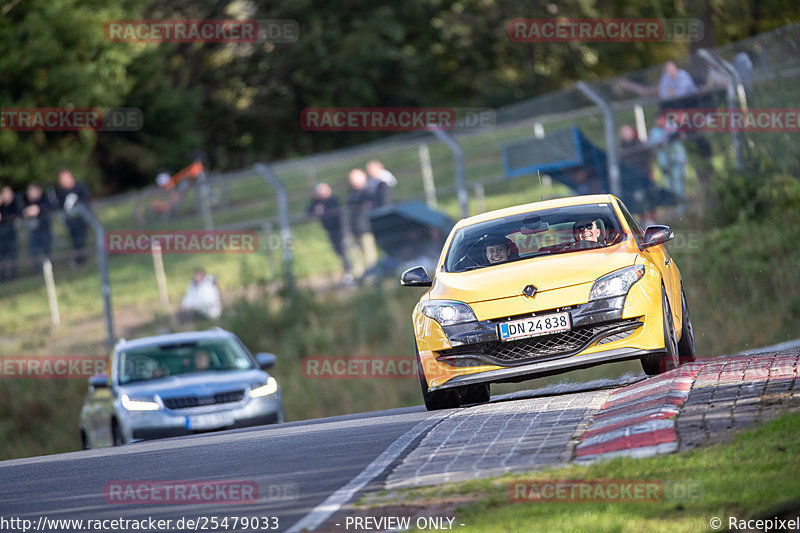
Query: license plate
[534, 326]
[209, 421]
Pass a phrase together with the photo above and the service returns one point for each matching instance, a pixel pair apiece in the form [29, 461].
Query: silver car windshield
[160, 361]
[533, 234]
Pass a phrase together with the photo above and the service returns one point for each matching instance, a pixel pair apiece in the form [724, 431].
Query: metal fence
[757, 73]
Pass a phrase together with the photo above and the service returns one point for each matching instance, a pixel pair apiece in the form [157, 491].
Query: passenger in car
[500, 250]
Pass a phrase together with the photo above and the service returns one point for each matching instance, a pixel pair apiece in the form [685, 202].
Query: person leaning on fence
[675, 83]
[70, 193]
[383, 182]
[360, 202]
[324, 206]
[670, 155]
[202, 299]
[37, 215]
[10, 211]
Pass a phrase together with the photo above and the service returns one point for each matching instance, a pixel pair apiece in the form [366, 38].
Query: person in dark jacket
[382, 181]
[325, 207]
[360, 201]
[37, 214]
[71, 193]
[10, 210]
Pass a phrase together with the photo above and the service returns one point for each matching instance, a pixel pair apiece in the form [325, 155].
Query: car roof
[537, 206]
[186, 336]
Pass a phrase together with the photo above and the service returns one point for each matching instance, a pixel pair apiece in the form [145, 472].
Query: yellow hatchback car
[544, 288]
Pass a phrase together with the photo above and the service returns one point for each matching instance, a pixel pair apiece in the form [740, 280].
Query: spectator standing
[383, 182]
[202, 297]
[670, 156]
[361, 201]
[37, 214]
[675, 83]
[325, 207]
[10, 210]
[71, 193]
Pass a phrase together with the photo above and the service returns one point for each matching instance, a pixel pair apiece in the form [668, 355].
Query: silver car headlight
[617, 283]
[139, 404]
[258, 391]
[447, 312]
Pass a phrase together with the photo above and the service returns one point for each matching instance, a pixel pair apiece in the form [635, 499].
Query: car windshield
[533, 234]
[160, 361]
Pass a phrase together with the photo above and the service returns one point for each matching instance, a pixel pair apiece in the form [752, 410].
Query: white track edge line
[335, 501]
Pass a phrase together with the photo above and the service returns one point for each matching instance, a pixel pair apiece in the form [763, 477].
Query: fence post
[611, 137]
[427, 175]
[732, 83]
[641, 123]
[52, 299]
[204, 201]
[283, 216]
[268, 250]
[102, 265]
[161, 277]
[480, 197]
[461, 177]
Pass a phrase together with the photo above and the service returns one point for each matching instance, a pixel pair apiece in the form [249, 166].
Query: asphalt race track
[302, 470]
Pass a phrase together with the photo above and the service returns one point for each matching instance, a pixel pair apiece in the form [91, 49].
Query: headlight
[447, 312]
[258, 391]
[139, 405]
[617, 283]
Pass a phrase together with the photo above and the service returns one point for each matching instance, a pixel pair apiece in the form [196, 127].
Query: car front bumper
[611, 329]
[147, 425]
[545, 368]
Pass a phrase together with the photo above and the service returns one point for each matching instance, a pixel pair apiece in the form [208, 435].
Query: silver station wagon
[179, 384]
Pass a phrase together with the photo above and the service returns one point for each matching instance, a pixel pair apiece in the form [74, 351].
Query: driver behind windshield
[586, 231]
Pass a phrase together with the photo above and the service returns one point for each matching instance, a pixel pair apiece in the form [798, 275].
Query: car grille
[187, 402]
[537, 348]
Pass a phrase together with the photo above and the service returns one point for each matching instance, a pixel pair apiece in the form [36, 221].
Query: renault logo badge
[529, 291]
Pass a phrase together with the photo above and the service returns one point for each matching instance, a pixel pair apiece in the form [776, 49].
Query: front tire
[116, 434]
[659, 363]
[438, 399]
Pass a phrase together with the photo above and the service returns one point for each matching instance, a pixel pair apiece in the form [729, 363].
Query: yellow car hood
[545, 273]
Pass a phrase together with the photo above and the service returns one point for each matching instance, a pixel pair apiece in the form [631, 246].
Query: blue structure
[568, 157]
